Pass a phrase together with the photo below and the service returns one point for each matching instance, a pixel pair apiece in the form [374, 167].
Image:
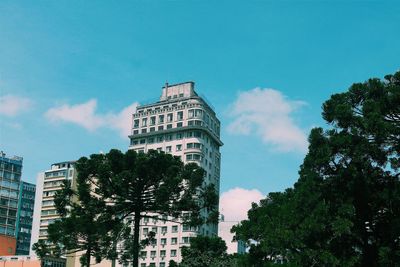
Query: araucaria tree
[345, 208]
[153, 185]
[85, 225]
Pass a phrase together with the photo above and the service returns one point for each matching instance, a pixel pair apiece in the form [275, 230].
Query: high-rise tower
[183, 124]
[47, 184]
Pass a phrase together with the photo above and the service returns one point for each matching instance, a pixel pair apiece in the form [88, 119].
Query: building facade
[183, 124]
[47, 184]
[10, 179]
[25, 217]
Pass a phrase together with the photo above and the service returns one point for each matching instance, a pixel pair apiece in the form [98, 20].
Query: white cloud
[267, 114]
[11, 105]
[85, 116]
[122, 121]
[233, 205]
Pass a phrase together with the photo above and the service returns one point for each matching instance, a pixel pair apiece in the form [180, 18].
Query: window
[136, 123]
[142, 265]
[185, 240]
[153, 120]
[161, 119]
[135, 131]
[173, 252]
[170, 117]
[168, 149]
[189, 157]
[198, 113]
[150, 140]
[174, 228]
[153, 254]
[180, 115]
[144, 122]
[169, 126]
[168, 137]
[179, 124]
[174, 241]
[162, 253]
[191, 113]
[159, 149]
[163, 241]
[190, 123]
[160, 128]
[160, 138]
[142, 141]
[164, 229]
[143, 254]
[154, 229]
[178, 147]
[162, 264]
[179, 136]
[144, 130]
[152, 129]
[145, 231]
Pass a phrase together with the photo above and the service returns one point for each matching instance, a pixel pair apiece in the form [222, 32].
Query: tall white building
[183, 124]
[47, 184]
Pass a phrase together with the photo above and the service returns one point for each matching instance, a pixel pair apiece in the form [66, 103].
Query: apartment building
[25, 217]
[47, 184]
[183, 124]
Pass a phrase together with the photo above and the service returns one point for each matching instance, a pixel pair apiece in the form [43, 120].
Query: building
[30, 261]
[8, 245]
[184, 124]
[47, 183]
[10, 179]
[25, 217]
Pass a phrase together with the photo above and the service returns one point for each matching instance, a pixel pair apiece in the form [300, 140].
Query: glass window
[144, 122]
[174, 241]
[170, 117]
[161, 119]
[136, 123]
[173, 252]
[180, 115]
[153, 120]
[174, 228]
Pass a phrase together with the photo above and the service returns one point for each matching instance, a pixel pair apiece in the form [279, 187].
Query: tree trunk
[136, 246]
[88, 252]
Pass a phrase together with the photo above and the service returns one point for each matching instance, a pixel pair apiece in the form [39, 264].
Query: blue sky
[100, 57]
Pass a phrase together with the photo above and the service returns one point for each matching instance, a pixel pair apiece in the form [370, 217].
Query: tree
[85, 225]
[345, 208]
[153, 185]
[206, 251]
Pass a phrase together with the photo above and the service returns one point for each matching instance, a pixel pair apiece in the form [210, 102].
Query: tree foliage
[344, 210]
[206, 251]
[152, 185]
[85, 225]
